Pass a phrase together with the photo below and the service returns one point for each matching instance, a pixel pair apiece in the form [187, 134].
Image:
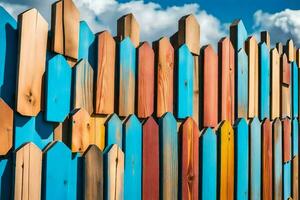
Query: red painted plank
[267, 159]
[286, 72]
[286, 127]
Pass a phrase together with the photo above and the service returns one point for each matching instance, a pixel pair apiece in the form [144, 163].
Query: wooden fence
[92, 116]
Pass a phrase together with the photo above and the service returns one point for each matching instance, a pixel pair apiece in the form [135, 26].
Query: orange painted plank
[6, 127]
[129, 27]
[287, 139]
[285, 91]
[275, 84]
[295, 178]
[286, 71]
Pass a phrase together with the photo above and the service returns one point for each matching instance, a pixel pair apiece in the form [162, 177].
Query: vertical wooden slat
[279, 48]
[289, 50]
[196, 90]
[113, 131]
[97, 134]
[285, 96]
[287, 181]
[33, 33]
[238, 34]
[275, 83]
[265, 37]
[298, 57]
[129, 27]
[295, 178]
[6, 127]
[61, 131]
[287, 146]
[277, 159]
[295, 86]
[295, 137]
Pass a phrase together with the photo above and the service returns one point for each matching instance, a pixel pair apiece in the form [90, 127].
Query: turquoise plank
[32, 129]
[57, 168]
[238, 34]
[57, 89]
[6, 175]
[76, 177]
[255, 158]
[168, 140]
[277, 156]
[295, 130]
[113, 131]
[295, 86]
[132, 147]
[264, 81]
[208, 166]
[242, 85]
[287, 181]
[87, 45]
[241, 159]
[185, 82]
[8, 57]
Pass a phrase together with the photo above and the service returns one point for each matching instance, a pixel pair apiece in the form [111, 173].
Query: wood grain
[129, 27]
[275, 83]
[97, 134]
[28, 173]
[285, 96]
[265, 37]
[196, 90]
[113, 131]
[279, 48]
[295, 178]
[33, 33]
[277, 159]
[289, 50]
[145, 81]
[105, 80]
[286, 126]
[6, 127]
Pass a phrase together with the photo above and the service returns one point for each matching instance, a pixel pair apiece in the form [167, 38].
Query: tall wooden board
[289, 50]
[287, 137]
[238, 34]
[277, 159]
[97, 134]
[129, 27]
[285, 92]
[279, 48]
[295, 88]
[6, 127]
[33, 33]
[275, 83]
[295, 137]
[287, 181]
[295, 177]
[265, 37]
[113, 131]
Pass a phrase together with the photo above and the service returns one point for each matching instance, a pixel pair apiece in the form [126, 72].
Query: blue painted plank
[238, 34]
[294, 88]
[241, 159]
[208, 167]
[255, 159]
[185, 82]
[6, 175]
[32, 129]
[57, 89]
[295, 131]
[264, 81]
[242, 85]
[113, 131]
[8, 57]
[76, 180]
[287, 181]
[277, 156]
[168, 140]
[132, 147]
[127, 76]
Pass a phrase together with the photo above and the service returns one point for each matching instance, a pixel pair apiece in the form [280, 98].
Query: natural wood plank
[145, 81]
[6, 127]
[286, 126]
[277, 159]
[33, 33]
[129, 27]
[196, 90]
[289, 50]
[61, 131]
[238, 34]
[279, 48]
[57, 43]
[93, 173]
[275, 83]
[97, 134]
[113, 131]
[28, 173]
[295, 178]
[285, 96]
[265, 37]
[105, 80]
[298, 57]
[164, 62]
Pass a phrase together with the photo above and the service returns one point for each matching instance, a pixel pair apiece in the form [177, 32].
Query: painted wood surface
[164, 62]
[28, 172]
[196, 90]
[6, 172]
[265, 37]
[6, 127]
[97, 133]
[105, 80]
[287, 181]
[298, 56]
[75, 174]
[185, 83]
[83, 86]
[80, 129]
[277, 159]
[207, 162]
[209, 90]
[150, 159]
[287, 146]
[241, 100]
[295, 177]
[129, 27]
[226, 165]
[113, 131]
[285, 87]
[238, 34]
[93, 173]
[61, 131]
[127, 77]
[227, 89]
[267, 159]
[57, 89]
[114, 173]
[289, 50]
[145, 81]
[241, 133]
[251, 48]
[295, 92]
[169, 157]
[255, 158]
[33, 33]
[264, 81]
[275, 83]
[189, 159]
[295, 137]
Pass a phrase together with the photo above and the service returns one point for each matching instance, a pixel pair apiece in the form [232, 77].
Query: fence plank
[57, 89]
[287, 188]
[267, 156]
[285, 87]
[289, 50]
[227, 82]
[208, 167]
[6, 180]
[196, 90]
[295, 177]
[251, 48]
[127, 76]
[286, 126]
[295, 93]
[129, 27]
[114, 173]
[277, 159]
[150, 160]
[241, 159]
[28, 172]
[164, 61]
[265, 37]
[238, 34]
[145, 90]
[185, 83]
[132, 141]
[295, 137]
[209, 90]
[255, 159]
[83, 86]
[298, 57]
[279, 48]
[226, 161]
[93, 173]
[97, 134]
[275, 83]
[6, 127]
[33, 33]
[168, 157]
[113, 131]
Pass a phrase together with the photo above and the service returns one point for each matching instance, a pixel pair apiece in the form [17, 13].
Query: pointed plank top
[129, 27]
[289, 49]
[265, 37]
[238, 34]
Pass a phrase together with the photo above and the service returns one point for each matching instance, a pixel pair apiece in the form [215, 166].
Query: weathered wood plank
[97, 134]
[145, 81]
[150, 159]
[164, 62]
[287, 181]
[295, 178]
[105, 80]
[129, 27]
[277, 159]
[265, 37]
[6, 127]
[295, 137]
[287, 146]
[275, 83]
[61, 131]
[226, 165]
[285, 96]
[185, 83]
[267, 160]
[289, 50]
[113, 131]
[238, 34]
[279, 48]
[33, 33]
[295, 93]
[196, 90]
